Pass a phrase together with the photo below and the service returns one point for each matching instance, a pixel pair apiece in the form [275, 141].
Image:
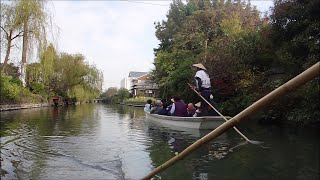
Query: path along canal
[97, 141]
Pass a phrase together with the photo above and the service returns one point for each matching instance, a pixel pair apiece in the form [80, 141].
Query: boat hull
[206, 122]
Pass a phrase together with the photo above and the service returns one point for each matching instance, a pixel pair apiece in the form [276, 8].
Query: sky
[116, 36]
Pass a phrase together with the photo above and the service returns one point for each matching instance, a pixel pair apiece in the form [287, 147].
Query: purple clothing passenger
[179, 108]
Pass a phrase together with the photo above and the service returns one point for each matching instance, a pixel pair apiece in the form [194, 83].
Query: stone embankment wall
[11, 107]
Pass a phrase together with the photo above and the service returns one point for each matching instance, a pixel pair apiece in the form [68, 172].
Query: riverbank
[133, 104]
[11, 107]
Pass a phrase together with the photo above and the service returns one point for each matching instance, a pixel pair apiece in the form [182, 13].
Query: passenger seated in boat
[164, 110]
[179, 108]
[191, 109]
[147, 107]
[157, 107]
[211, 112]
[169, 106]
[198, 111]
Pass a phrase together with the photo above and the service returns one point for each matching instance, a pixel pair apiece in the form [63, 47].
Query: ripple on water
[73, 143]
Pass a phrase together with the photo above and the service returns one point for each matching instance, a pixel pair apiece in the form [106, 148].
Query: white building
[127, 82]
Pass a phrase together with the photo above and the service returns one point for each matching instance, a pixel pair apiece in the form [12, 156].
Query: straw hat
[199, 66]
[198, 104]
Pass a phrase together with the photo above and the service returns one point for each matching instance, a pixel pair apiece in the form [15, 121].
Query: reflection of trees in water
[165, 142]
[25, 133]
[121, 110]
[73, 119]
[24, 128]
[163, 148]
[133, 115]
[51, 121]
[133, 112]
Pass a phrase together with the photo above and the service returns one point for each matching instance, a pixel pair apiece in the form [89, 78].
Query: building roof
[136, 74]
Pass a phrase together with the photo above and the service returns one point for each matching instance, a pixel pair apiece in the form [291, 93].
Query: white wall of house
[126, 83]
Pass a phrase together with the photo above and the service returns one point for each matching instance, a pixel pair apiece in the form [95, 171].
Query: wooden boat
[206, 122]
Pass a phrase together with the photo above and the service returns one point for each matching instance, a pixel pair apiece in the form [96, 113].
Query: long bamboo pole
[238, 131]
[298, 81]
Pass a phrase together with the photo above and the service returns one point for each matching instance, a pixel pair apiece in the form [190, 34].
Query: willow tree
[35, 20]
[74, 77]
[48, 57]
[10, 30]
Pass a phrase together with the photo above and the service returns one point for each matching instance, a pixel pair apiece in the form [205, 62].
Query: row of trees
[28, 22]
[246, 56]
[68, 75]
[115, 95]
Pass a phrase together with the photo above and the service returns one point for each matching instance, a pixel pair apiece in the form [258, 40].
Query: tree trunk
[6, 59]
[24, 51]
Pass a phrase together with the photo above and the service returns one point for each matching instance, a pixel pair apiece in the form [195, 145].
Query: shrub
[139, 99]
[12, 91]
[9, 87]
[38, 88]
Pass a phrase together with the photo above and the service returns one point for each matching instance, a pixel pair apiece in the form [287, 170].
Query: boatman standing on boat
[203, 85]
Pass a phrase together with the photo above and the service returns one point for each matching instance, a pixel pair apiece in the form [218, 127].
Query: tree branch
[17, 46]
[17, 35]
[5, 31]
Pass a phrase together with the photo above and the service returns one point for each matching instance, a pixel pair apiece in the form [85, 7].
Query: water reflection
[27, 136]
[116, 142]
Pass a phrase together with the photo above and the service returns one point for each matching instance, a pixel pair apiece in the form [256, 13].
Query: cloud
[116, 36]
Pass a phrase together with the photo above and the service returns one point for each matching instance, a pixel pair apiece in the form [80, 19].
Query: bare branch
[17, 46]
[20, 34]
[5, 31]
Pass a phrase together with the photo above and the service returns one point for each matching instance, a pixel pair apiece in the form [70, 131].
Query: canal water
[97, 141]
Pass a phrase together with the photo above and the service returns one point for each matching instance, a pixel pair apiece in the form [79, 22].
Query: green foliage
[55, 73]
[231, 26]
[205, 34]
[115, 95]
[38, 88]
[73, 77]
[247, 56]
[10, 30]
[110, 95]
[37, 19]
[11, 70]
[33, 73]
[295, 34]
[47, 60]
[122, 94]
[9, 88]
[66, 75]
[140, 93]
[139, 100]
[12, 91]
[79, 93]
